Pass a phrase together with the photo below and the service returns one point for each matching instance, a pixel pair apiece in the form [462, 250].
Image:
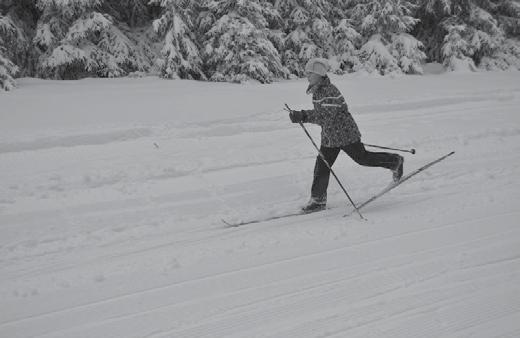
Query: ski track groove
[192, 241]
[231, 232]
[288, 309]
[339, 282]
[318, 297]
[368, 313]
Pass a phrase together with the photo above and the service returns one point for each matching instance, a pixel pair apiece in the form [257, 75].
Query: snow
[377, 58]
[81, 28]
[64, 55]
[433, 68]
[112, 194]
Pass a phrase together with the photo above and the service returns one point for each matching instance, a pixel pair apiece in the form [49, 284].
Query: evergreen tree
[432, 28]
[501, 51]
[16, 24]
[238, 40]
[76, 40]
[375, 56]
[12, 40]
[506, 57]
[388, 48]
[481, 25]
[456, 49]
[135, 13]
[237, 46]
[347, 42]
[485, 34]
[8, 71]
[308, 32]
[384, 17]
[507, 13]
[181, 57]
[408, 52]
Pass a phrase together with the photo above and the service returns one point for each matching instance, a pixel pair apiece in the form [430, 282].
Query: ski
[402, 180]
[361, 205]
[267, 219]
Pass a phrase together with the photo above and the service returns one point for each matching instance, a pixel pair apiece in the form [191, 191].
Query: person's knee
[356, 152]
[360, 158]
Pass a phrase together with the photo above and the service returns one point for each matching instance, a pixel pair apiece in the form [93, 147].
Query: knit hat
[318, 66]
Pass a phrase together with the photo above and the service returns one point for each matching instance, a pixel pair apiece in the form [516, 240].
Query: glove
[297, 116]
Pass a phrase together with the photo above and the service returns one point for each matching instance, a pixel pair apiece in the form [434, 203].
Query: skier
[339, 132]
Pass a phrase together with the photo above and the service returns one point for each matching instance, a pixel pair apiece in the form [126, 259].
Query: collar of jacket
[324, 82]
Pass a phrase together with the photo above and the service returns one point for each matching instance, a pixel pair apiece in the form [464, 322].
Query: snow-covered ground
[112, 194]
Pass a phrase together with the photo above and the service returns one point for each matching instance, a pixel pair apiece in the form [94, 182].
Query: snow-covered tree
[408, 51]
[507, 13]
[135, 13]
[388, 47]
[13, 42]
[7, 71]
[384, 17]
[506, 57]
[347, 42]
[456, 49]
[238, 40]
[181, 57]
[15, 25]
[375, 56]
[478, 24]
[470, 36]
[308, 32]
[485, 34]
[432, 28]
[76, 40]
[237, 46]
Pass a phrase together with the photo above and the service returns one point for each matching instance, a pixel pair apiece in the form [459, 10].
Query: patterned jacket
[338, 128]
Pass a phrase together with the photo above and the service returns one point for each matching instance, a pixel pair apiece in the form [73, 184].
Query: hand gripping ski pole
[327, 164]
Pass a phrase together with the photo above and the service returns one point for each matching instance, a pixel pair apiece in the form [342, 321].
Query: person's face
[313, 78]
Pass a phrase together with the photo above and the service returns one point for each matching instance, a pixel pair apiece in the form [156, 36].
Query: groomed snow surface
[112, 194]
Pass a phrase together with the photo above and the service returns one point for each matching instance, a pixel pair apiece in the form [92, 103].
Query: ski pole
[380, 147]
[327, 164]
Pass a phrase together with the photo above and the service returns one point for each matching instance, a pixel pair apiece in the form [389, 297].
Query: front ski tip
[395, 184]
[226, 223]
[231, 225]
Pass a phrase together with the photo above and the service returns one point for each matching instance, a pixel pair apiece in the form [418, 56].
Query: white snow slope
[112, 194]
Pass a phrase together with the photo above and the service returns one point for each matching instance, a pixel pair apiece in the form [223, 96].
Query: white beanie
[318, 66]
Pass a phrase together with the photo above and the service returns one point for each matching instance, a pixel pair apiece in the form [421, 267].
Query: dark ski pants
[358, 153]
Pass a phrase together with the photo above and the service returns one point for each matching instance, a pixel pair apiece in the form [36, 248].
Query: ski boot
[314, 205]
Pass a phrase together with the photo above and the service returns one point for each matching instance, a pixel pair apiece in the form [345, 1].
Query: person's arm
[326, 107]
[313, 116]
[306, 116]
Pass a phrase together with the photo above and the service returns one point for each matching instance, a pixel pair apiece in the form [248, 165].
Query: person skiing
[339, 132]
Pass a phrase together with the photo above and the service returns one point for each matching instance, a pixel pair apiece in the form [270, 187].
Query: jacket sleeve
[311, 116]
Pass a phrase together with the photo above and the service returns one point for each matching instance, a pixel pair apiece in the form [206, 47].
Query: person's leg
[363, 157]
[322, 174]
